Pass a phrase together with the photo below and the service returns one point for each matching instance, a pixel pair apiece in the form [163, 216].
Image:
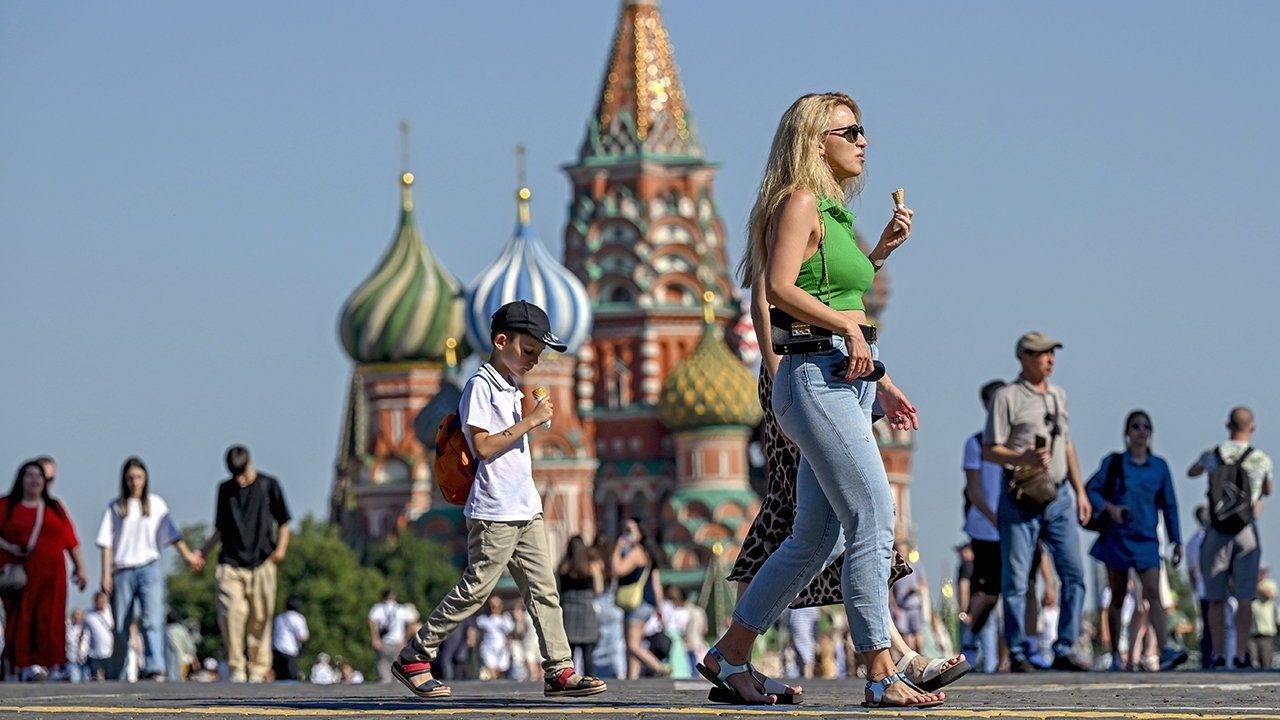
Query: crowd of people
[824, 536]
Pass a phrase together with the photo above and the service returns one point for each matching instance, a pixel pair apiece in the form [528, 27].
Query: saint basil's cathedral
[655, 404]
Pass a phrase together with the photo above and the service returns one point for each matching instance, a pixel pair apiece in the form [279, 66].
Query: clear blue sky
[188, 192]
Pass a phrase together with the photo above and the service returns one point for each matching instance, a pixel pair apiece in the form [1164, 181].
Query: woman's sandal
[723, 692]
[877, 688]
[432, 688]
[934, 676]
[568, 683]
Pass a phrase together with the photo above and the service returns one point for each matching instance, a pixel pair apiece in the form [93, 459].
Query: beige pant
[493, 546]
[246, 604]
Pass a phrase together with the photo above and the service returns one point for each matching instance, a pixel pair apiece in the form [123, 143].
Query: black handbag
[1112, 491]
[792, 336]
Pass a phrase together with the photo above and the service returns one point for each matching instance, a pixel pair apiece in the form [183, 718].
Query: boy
[503, 511]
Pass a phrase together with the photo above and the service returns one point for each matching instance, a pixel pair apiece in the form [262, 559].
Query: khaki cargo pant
[246, 605]
[492, 546]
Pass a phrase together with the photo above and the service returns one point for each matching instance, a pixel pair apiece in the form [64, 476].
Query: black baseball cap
[525, 317]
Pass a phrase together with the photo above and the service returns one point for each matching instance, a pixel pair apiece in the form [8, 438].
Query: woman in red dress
[35, 631]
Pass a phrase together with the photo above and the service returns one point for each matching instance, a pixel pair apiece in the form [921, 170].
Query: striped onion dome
[410, 304]
[526, 271]
[711, 386]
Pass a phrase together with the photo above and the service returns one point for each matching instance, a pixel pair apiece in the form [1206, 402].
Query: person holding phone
[1129, 492]
[1028, 427]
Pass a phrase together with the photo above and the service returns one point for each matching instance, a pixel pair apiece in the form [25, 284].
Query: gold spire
[406, 179]
[451, 353]
[708, 307]
[522, 205]
[406, 195]
[642, 72]
[523, 194]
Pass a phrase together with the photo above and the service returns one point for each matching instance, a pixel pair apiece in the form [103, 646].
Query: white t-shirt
[1257, 466]
[289, 632]
[1193, 554]
[390, 618]
[503, 489]
[102, 633]
[976, 525]
[495, 647]
[136, 539]
[323, 674]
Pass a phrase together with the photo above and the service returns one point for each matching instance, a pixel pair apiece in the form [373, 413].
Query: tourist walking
[288, 634]
[1029, 433]
[635, 564]
[1239, 475]
[135, 527]
[801, 246]
[1128, 493]
[504, 512]
[36, 535]
[252, 524]
[580, 582]
[388, 628]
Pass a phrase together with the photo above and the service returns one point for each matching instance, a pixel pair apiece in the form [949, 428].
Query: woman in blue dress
[1131, 488]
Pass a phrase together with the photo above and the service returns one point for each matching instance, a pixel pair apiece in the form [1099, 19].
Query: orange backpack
[455, 463]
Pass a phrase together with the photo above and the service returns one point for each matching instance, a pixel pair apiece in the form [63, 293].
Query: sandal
[432, 688]
[876, 689]
[934, 676]
[724, 693]
[568, 683]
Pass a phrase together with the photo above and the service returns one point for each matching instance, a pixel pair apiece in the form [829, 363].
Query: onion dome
[408, 306]
[711, 386]
[445, 401]
[526, 271]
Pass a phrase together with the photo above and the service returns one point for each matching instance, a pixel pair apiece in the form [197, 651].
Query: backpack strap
[1113, 484]
[1247, 450]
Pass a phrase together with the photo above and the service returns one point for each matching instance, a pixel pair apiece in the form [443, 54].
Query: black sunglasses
[850, 134]
[1140, 426]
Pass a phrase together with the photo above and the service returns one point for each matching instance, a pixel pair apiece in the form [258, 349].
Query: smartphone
[1041, 442]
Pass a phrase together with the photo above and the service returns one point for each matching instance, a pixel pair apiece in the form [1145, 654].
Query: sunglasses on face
[850, 134]
[1140, 426]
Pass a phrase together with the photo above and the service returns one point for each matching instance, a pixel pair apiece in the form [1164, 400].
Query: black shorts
[986, 567]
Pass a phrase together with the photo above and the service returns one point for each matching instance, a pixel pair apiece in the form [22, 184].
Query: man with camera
[1028, 432]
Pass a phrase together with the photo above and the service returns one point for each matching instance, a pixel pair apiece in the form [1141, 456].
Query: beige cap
[1036, 342]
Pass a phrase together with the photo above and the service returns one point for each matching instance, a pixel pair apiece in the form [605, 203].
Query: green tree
[417, 569]
[195, 595]
[334, 592]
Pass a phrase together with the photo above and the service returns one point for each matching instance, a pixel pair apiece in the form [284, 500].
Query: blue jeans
[139, 592]
[1057, 526]
[983, 649]
[843, 501]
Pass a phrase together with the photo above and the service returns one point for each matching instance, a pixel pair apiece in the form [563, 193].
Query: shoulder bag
[1031, 487]
[13, 576]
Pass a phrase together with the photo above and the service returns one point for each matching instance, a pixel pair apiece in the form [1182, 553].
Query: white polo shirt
[503, 489]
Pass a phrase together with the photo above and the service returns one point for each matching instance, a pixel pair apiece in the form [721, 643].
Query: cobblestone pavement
[1039, 696]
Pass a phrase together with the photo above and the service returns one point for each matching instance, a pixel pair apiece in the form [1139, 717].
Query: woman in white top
[135, 528]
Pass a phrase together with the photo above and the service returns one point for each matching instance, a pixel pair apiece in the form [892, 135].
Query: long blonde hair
[794, 162]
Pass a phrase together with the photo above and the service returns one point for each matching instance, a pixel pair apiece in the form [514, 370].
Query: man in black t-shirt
[252, 523]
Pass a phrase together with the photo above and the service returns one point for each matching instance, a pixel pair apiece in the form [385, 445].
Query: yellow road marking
[1033, 714]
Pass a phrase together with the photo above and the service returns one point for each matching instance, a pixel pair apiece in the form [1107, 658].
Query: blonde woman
[801, 244]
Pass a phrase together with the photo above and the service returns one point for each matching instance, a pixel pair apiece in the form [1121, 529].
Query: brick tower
[645, 238]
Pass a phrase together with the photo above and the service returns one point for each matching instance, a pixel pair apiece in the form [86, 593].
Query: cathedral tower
[646, 239]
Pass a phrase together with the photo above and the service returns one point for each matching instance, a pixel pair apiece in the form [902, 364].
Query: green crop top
[849, 272]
